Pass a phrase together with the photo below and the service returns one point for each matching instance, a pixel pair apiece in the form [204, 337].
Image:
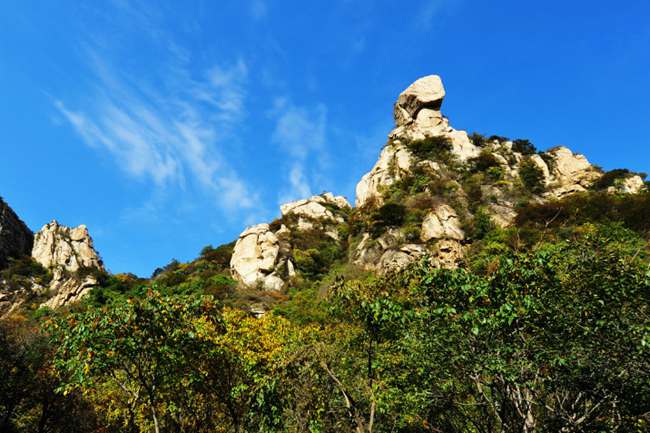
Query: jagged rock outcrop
[16, 238]
[71, 257]
[316, 211]
[569, 173]
[262, 254]
[417, 117]
[57, 246]
[255, 259]
[394, 162]
[448, 185]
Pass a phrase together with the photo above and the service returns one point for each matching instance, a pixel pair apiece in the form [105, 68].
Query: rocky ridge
[429, 190]
[262, 255]
[423, 146]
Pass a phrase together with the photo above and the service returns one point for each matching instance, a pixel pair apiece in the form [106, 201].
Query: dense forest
[545, 328]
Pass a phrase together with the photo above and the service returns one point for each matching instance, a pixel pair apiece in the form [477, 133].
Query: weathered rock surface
[399, 258]
[16, 238]
[317, 211]
[71, 257]
[570, 173]
[448, 254]
[394, 162]
[629, 185]
[442, 223]
[57, 246]
[255, 260]
[426, 93]
[261, 257]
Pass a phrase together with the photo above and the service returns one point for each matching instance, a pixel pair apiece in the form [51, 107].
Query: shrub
[484, 161]
[314, 262]
[631, 210]
[499, 138]
[611, 177]
[478, 139]
[494, 174]
[389, 215]
[437, 148]
[412, 232]
[531, 176]
[219, 256]
[525, 147]
[481, 224]
[473, 190]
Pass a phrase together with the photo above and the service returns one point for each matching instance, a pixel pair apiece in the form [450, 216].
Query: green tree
[140, 360]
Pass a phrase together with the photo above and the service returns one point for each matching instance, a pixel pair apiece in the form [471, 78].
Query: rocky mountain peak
[68, 252]
[58, 246]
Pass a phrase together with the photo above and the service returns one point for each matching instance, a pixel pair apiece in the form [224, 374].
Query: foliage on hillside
[544, 328]
[549, 334]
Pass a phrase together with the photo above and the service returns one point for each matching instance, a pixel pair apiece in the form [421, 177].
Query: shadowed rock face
[16, 239]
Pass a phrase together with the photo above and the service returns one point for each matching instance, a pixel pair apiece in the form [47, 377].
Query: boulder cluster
[261, 258]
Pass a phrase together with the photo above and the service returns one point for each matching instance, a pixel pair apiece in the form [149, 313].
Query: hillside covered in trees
[478, 285]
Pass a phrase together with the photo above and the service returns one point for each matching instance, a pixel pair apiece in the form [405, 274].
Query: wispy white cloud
[300, 132]
[171, 138]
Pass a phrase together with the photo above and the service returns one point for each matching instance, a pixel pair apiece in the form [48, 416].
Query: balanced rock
[426, 93]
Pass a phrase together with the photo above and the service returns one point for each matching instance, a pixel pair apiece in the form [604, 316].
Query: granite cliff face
[69, 254]
[16, 238]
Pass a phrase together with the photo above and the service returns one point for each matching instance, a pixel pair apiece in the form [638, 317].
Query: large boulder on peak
[417, 118]
[425, 93]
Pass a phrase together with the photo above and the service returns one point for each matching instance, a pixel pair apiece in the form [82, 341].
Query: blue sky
[166, 126]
